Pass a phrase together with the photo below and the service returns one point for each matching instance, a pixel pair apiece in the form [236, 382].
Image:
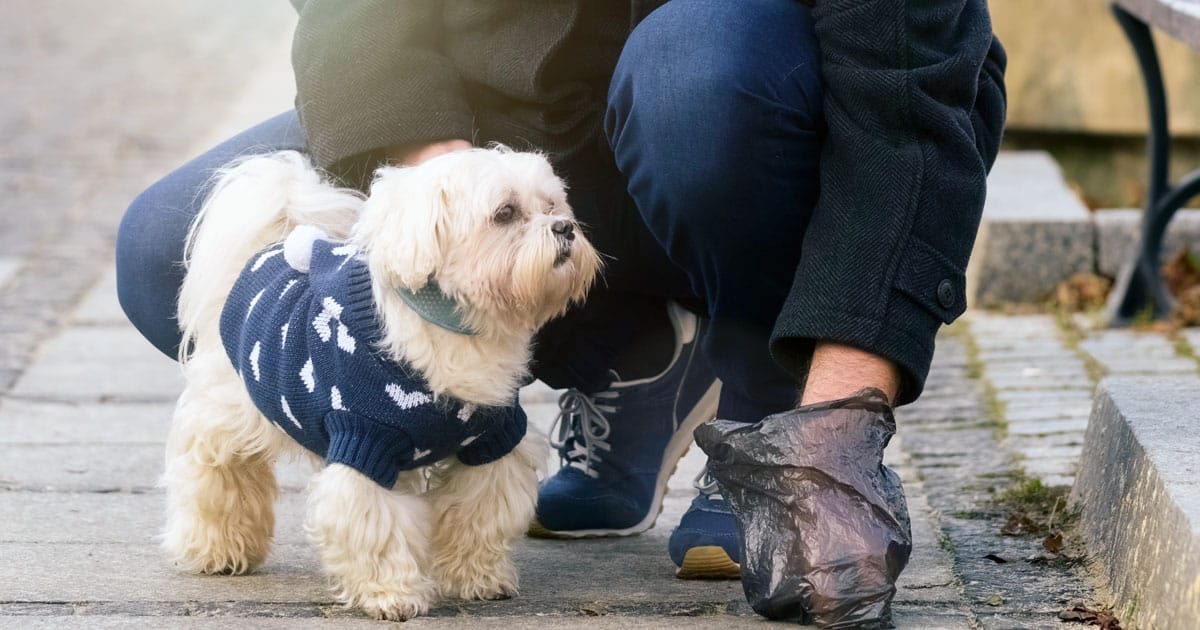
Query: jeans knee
[149, 255]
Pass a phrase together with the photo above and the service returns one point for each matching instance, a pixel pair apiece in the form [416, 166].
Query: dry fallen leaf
[1094, 616]
[1083, 291]
[1181, 271]
[1019, 524]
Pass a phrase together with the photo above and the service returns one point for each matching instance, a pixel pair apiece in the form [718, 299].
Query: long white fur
[388, 552]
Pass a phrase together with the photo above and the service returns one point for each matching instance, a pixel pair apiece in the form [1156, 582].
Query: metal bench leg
[1140, 289]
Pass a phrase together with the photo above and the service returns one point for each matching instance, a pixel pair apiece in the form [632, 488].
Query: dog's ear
[404, 225]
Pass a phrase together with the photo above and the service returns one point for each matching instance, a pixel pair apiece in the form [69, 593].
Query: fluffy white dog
[489, 231]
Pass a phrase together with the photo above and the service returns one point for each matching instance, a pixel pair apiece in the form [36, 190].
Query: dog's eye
[505, 213]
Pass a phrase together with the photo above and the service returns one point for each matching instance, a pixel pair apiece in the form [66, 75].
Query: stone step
[1139, 495]
[1035, 233]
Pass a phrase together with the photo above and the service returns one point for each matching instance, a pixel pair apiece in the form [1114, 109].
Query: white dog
[482, 237]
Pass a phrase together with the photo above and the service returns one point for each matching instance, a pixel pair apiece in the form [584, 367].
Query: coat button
[945, 294]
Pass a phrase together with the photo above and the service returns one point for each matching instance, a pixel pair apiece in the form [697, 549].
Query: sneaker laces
[582, 428]
[707, 485]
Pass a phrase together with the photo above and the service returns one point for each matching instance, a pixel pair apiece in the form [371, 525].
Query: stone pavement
[81, 444]
[78, 466]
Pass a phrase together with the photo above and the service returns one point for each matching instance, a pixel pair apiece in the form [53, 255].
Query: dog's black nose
[564, 228]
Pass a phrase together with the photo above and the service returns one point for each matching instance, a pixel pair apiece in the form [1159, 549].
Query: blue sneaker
[619, 447]
[707, 545]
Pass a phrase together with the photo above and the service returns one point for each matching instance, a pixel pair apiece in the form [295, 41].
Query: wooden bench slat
[1178, 18]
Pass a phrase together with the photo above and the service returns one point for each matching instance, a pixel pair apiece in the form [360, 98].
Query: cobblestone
[1042, 383]
[1134, 352]
[1045, 388]
[1074, 428]
[963, 472]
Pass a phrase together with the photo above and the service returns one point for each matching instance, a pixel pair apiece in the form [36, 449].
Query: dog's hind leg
[219, 479]
[374, 542]
[479, 510]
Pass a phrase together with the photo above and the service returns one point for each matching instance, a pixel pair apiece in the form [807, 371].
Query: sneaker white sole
[704, 411]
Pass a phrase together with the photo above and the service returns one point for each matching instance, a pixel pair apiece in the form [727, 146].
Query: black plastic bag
[825, 530]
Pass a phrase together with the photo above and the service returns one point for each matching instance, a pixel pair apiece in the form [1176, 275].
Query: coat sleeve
[370, 74]
[914, 105]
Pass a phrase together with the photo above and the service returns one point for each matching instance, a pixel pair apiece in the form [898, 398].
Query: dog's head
[491, 226]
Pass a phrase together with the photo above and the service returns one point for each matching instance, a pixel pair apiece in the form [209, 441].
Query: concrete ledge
[1035, 232]
[1119, 231]
[1138, 489]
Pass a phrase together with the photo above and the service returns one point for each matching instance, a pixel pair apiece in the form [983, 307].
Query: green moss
[993, 407]
[1045, 506]
[1144, 317]
[1071, 336]
[946, 543]
[1183, 348]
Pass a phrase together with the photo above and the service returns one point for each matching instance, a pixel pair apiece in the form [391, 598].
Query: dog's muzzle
[564, 231]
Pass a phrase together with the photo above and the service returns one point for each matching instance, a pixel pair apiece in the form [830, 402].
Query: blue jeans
[704, 193]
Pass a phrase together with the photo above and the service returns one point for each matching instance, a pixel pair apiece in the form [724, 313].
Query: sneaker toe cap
[705, 529]
[566, 506]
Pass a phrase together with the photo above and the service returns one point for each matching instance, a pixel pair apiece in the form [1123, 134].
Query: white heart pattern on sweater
[330, 311]
[406, 400]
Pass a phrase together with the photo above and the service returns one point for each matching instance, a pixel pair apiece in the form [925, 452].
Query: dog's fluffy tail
[255, 202]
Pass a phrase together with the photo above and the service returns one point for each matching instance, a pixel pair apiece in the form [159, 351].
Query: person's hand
[414, 154]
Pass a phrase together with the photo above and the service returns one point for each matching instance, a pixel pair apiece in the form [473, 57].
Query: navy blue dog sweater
[306, 346]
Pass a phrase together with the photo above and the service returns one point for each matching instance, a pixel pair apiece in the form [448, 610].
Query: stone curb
[1036, 233]
[1139, 497]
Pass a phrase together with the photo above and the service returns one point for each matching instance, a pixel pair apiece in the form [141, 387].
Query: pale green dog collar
[436, 307]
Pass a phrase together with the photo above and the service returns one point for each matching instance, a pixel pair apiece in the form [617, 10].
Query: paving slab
[1047, 411]
[102, 468]
[998, 331]
[1064, 365]
[1139, 493]
[100, 363]
[101, 305]
[1038, 383]
[1073, 395]
[8, 267]
[1047, 427]
[60, 422]
[1025, 442]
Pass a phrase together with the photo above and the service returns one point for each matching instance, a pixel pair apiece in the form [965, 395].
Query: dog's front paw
[391, 606]
[202, 547]
[490, 583]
